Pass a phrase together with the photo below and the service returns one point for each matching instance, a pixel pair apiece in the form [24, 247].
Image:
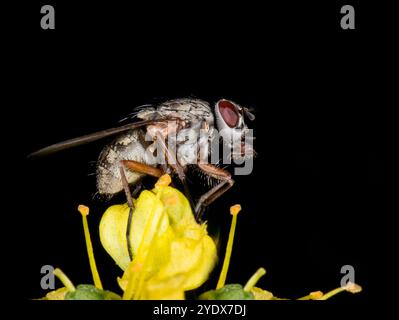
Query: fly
[131, 155]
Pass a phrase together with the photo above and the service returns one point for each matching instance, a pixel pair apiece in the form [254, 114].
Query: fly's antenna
[249, 113]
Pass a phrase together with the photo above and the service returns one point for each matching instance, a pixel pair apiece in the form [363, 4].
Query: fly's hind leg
[141, 168]
[226, 182]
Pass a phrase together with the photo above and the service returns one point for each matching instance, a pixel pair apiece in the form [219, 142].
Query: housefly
[144, 147]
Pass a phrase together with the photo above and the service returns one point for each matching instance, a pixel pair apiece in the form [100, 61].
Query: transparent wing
[88, 138]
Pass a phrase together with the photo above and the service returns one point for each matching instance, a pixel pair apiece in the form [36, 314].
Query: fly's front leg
[171, 158]
[174, 163]
[226, 182]
[141, 168]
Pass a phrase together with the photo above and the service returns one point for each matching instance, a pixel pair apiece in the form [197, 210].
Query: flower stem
[234, 210]
[96, 277]
[64, 279]
[254, 279]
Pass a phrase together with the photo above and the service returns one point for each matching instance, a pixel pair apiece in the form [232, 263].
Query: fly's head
[230, 122]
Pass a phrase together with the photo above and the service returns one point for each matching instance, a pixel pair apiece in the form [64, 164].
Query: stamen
[163, 181]
[64, 279]
[254, 279]
[350, 287]
[84, 211]
[234, 210]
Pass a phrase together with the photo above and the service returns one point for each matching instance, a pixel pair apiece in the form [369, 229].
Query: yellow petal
[166, 289]
[177, 207]
[193, 258]
[261, 294]
[200, 273]
[113, 234]
[147, 202]
[114, 223]
[58, 294]
[185, 254]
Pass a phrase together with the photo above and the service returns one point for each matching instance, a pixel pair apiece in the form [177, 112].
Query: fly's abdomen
[129, 146]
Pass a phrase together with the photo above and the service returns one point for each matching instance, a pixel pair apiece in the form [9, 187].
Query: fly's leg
[226, 182]
[171, 158]
[210, 196]
[174, 163]
[126, 188]
[141, 168]
[137, 189]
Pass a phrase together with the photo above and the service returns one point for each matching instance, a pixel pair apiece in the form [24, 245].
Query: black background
[317, 197]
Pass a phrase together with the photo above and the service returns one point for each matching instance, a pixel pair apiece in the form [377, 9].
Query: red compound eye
[229, 113]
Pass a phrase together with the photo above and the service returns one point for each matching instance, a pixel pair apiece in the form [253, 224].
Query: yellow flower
[172, 253]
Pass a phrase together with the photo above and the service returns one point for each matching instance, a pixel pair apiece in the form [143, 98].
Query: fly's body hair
[205, 178]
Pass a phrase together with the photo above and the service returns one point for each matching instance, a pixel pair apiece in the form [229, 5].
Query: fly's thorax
[189, 110]
[193, 144]
[187, 121]
[165, 129]
[129, 146]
